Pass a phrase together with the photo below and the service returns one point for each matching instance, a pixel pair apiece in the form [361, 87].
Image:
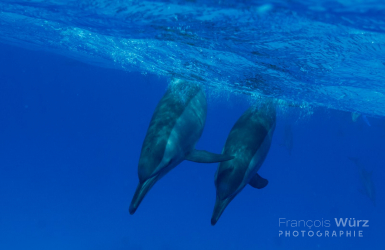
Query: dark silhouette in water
[175, 128]
[355, 116]
[249, 142]
[366, 180]
[364, 118]
[288, 139]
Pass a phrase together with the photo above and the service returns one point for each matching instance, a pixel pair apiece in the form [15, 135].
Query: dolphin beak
[219, 207]
[140, 192]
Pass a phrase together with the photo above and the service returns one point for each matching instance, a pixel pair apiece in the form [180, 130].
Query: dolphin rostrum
[175, 128]
[249, 142]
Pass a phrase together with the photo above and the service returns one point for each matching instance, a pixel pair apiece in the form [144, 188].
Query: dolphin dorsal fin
[203, 156]
[258, 182]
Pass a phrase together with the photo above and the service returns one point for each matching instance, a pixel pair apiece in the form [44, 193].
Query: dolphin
[355, 116]
[366, 180]
[175, 128]
[364, 118]
[249, 142]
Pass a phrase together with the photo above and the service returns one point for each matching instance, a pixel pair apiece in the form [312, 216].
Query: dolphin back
[169, 109]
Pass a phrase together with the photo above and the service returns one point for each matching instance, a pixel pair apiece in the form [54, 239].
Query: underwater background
[80, 80]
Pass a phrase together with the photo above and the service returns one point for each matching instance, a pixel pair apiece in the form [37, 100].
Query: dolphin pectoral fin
[258, 182]
[140, 192]
[203, 156]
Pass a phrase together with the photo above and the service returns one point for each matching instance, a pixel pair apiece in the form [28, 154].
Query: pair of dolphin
[176, 127]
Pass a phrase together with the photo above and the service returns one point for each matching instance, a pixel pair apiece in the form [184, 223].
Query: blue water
[79, 81]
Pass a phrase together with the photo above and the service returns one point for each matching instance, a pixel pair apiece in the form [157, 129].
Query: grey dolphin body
[249, 142]
[175, 128]
[366, 180]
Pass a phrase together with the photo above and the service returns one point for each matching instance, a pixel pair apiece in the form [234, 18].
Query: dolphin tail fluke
[258, 182]
[203, 156]
[219, 207]
[140, 192]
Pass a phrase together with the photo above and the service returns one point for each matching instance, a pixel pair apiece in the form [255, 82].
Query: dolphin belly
[187, 130]
[259, 157]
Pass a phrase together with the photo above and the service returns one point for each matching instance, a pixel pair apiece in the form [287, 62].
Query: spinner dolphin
[175, 128]
[249, 142]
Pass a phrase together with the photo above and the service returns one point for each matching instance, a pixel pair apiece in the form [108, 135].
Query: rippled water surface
[328, 53]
